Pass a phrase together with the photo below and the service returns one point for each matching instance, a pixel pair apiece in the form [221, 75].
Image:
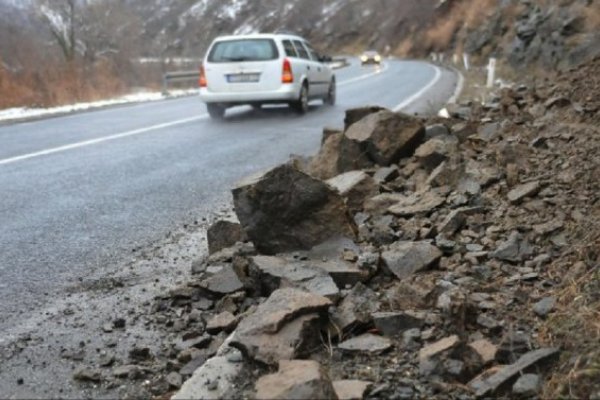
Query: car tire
[301, 105]
[331, 93]
[216, 111]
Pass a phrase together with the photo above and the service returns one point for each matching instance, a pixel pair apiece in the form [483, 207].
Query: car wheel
[301, 105]
[216, 111]
[331, 93]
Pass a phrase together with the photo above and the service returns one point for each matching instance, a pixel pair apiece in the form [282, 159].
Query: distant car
[264, 69]
[370, 57]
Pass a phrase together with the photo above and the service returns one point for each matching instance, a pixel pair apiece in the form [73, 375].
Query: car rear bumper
[284, 94]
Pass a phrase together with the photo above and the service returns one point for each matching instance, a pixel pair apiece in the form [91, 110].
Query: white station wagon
[264, 69]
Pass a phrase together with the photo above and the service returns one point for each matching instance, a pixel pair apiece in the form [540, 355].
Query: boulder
[223, 234]
[386, 136]
[283, 327]
[405, 258]
[386, 174]
[355, 187]
[296, 380]
[287, 210]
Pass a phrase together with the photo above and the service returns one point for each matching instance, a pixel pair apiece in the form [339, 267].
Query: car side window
[311, 51]
[290, 51]
[302, 52]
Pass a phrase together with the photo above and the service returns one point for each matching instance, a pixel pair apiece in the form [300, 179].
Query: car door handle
[308, 67]
[319, 69]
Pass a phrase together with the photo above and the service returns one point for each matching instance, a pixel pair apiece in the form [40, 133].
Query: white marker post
[491, 76]
[466, 61]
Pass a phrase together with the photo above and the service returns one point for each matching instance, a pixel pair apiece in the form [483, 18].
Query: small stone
[88, 375]
[20, 381]
[490, 384]
[526, 190]
[224, 321]
[485, 349]
[527, 385]
[174, 380]
[351, 389]
[127, 371]
[367, 343]
[119, 323]
[543, 307]
[395, 323]
[296, 380]
[140, 354]
[406, 258]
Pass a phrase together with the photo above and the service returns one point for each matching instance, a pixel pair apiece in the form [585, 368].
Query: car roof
[260, 36]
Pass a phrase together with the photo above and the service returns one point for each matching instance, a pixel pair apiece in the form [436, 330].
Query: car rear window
[243, 50]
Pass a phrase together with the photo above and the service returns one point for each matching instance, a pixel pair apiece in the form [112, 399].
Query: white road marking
[365, 76]
[100, 140]
[414, 97]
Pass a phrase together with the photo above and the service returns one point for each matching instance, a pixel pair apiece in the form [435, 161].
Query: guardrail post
[491, 72]
[165, 85]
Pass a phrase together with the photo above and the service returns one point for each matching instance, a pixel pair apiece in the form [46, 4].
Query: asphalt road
[79, 192]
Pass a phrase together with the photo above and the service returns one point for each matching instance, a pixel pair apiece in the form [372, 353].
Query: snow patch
[23, 113]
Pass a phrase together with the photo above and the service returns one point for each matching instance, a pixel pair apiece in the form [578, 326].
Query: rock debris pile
[408, 258]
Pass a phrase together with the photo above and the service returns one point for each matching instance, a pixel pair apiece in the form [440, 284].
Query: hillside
[112, 34]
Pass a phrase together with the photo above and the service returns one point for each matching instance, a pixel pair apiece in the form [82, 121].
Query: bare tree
[61, 19]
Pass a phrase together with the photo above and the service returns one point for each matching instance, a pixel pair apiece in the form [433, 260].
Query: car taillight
[203, 82]
[287, 75]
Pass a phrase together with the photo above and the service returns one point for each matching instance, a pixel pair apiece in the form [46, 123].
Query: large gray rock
[224, 281]
[285, 209]
[283, 327]
[223, 234]
[354, 115]
[355, 187]
[272, 273]
[405, 258]
[515, 249]
[386, 136]
[296, 380]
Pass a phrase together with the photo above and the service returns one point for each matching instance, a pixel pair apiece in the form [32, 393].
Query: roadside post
[491, 72]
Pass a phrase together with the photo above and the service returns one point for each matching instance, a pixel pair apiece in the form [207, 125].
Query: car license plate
[242, 78]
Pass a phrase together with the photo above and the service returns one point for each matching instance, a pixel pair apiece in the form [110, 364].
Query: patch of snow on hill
[231, 11]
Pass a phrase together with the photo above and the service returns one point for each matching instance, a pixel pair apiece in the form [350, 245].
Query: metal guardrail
[185, 76]
[179, 76]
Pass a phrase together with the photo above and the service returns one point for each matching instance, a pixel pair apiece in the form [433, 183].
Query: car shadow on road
[244, 114]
